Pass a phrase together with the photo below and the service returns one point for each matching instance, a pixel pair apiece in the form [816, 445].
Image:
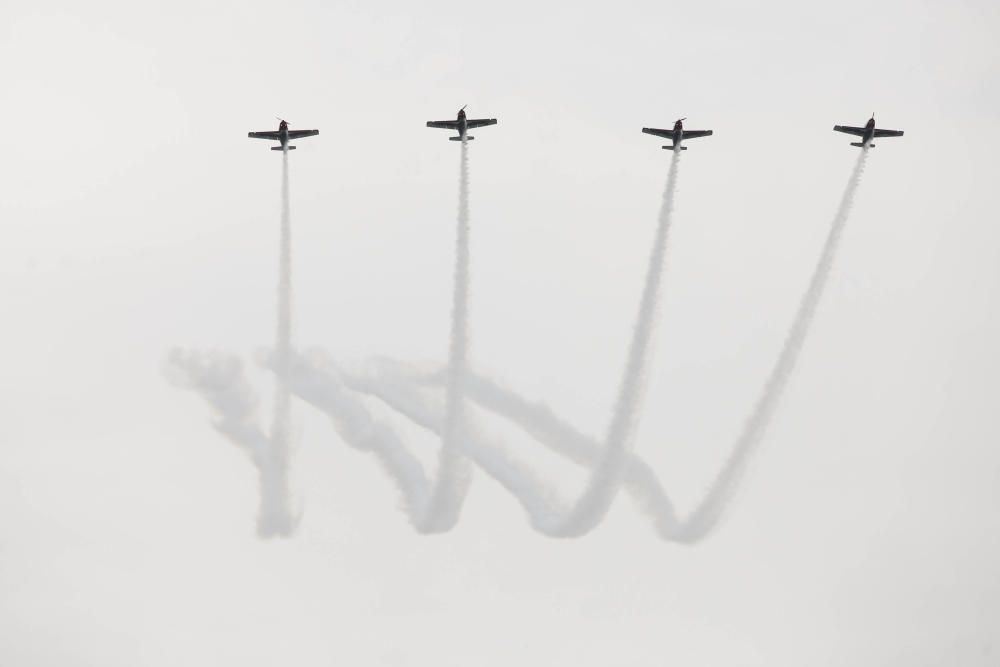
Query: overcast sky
[137, 217]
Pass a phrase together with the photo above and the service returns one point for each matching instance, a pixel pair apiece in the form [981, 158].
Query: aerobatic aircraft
[677, 135]
[867, 133]
[462, 125]
[284, 135]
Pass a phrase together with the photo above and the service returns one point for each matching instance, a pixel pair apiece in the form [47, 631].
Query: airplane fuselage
[463, 125]
[866, 138]
[283, 135]
[678, 135]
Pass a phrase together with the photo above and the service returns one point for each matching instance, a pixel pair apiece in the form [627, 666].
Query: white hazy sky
[137, 216]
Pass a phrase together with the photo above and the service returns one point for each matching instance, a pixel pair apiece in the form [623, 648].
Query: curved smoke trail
[432, 506]
[610, 464]
[638, 478]
[709, 511]
[397, 384]
[604, 483]
[337, 393]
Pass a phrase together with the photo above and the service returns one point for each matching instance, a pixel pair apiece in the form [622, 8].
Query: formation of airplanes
[462, 124]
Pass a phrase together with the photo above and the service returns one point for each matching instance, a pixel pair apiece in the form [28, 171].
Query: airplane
[867, 133]
[284, 135]
[462, 125]
[677, 134]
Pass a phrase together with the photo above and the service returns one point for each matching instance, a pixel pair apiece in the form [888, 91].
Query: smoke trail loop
[607, 478]
[435, 506]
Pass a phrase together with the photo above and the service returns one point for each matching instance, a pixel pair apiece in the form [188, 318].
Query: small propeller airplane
[867, 133]
[284, 135]
[677, 135]
[462, 125]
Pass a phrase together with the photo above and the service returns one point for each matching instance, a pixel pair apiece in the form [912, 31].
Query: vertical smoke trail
[710, 510]
[607, 477]
[275, 512]
[453, 469]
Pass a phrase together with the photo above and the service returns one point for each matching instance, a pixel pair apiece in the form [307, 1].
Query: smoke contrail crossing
[637, 477]
[604, 483]
[433, 503]
[610, 464]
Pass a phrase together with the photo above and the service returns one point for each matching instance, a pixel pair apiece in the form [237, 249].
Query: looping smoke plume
[434, 506]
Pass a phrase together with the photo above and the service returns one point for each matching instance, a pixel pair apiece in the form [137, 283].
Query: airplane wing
[694, 134]
[888, 133]
[480, 122]
[847, 129]
[666, 134]
[298, 134]
[444, 124]
[263, 135]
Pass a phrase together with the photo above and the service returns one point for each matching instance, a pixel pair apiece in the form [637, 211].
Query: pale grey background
[136, 217]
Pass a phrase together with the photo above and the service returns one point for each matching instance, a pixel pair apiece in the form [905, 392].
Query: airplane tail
[278, 148]
[460, 138]
[670, 148]
[859, 144]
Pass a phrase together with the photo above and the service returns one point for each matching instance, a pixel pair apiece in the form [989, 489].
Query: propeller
[681, 119]
[282, 120]
[463, 108]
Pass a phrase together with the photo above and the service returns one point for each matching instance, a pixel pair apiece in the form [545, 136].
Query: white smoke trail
[641, 483]
[219, 379]
[542, 424]
[454, 474]
[336, 392]
[324, 387]
[319, 384]
[432, 506]
[606, 479]
[276, 515]
[710, 510]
